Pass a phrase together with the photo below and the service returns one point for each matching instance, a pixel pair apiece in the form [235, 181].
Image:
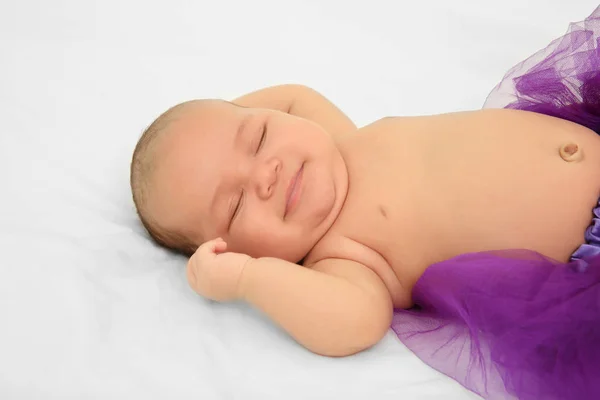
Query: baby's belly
[459, 183]
[526, 181]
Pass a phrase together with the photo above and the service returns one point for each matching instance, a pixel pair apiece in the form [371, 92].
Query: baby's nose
[266, 176]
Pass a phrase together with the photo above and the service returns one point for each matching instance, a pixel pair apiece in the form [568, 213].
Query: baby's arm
[303, 102]
[336, 308]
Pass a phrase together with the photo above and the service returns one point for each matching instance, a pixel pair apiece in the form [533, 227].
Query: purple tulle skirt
[513, 323]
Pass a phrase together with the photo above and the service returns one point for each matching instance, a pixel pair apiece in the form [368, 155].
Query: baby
[281, 176]
[283, 203]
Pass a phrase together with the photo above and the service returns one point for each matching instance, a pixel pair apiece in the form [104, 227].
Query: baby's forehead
[186, 159]
[207, 116]
[216, 108]
[201, 126]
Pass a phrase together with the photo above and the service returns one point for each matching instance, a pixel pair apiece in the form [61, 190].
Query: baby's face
[268, 183]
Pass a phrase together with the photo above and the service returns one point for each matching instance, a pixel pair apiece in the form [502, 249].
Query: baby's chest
[383, 212]
[424, 192]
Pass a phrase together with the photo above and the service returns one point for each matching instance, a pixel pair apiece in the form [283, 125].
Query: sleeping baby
[333, 231]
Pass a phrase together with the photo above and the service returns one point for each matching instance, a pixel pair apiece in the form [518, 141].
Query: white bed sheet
[89, 307]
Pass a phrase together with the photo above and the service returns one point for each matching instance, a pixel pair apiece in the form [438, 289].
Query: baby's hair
[143, 164]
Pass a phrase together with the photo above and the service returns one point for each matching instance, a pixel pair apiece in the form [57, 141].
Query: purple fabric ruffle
[512, 323]
[509, 324]
[561, 80]
[591, 247]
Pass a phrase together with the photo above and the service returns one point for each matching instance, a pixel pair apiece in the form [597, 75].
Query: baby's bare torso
[426, 189]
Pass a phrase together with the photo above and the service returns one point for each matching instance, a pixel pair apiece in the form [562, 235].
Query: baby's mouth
[293, 192]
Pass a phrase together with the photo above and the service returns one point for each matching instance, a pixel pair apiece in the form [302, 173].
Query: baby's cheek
[246, 243]
[258, 236]
[264, 246]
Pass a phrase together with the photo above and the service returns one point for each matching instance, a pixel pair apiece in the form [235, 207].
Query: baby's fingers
[218, 245]
[203, 254]
[211, 247]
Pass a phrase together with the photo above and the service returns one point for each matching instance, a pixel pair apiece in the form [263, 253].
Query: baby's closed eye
[262, 138]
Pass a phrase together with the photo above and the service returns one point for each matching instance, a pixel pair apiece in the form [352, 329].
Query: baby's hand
[215, 274]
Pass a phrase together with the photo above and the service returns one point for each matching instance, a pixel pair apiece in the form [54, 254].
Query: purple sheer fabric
[512, 323]
[591, 247]
[562, 80]
[509, 324]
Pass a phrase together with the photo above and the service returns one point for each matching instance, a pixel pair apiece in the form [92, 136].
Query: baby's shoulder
[340, 247]
[322, 250]
[336, 245]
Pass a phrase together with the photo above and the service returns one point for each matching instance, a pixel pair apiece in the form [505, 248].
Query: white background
[89, 308]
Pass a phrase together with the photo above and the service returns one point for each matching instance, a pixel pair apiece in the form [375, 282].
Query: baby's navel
[383, 212]
[571, 152]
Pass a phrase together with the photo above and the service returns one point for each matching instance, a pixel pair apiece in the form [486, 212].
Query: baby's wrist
[242, 286]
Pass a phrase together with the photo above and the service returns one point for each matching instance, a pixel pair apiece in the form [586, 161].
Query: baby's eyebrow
[240, 129]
